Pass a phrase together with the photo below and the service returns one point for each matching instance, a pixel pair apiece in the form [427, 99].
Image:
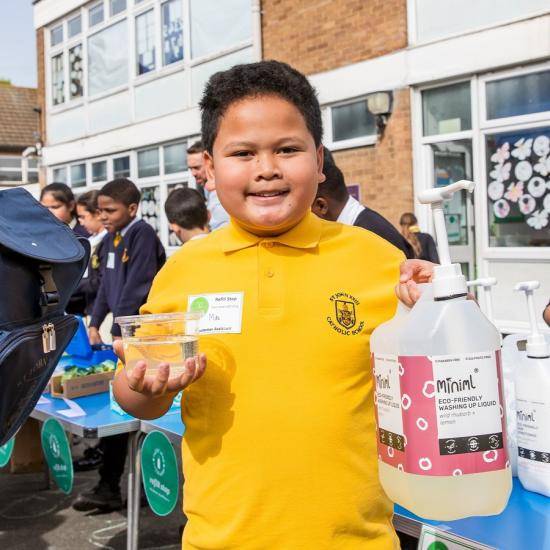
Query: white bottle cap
[537, 346]
[448, 280]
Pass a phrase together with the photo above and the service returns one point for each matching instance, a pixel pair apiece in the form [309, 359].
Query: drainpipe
[256, 30]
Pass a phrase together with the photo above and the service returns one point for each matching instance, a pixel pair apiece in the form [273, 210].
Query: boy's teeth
[273, 194]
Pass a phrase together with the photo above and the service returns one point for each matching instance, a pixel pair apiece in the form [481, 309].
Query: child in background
[89, 218]
[423, 244]
[59, 200]
[134, 254]
[279, 450]
[187, 214]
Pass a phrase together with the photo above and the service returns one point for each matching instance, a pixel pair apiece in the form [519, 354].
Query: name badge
[222, 313]
[111, 260]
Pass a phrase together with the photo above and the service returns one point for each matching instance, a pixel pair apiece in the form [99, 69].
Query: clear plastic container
[164, 338]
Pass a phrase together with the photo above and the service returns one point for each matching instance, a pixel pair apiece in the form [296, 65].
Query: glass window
[121, 167]
[56, 35]
[519, 95]
[214, 29]
[148, 163]
[10, 169]
[352, 121]
[518, 196]
[452, 161]
[58, 80]
[78, 175]
[99, 171]
[447, 109]
[150, 207]
[59, 175]
[145, 42]
[117, 6]
[95, 15]
[76, 75]
[108, 58]
[172, 32]
[175, 158]
[74, 26]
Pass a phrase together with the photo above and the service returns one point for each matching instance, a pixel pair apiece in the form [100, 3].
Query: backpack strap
[49, 295]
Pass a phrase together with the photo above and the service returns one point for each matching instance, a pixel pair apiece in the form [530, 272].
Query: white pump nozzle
[536, 343]
[448, 280]
[485, 284]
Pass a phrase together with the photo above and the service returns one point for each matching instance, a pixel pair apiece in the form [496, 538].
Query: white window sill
[352, 143]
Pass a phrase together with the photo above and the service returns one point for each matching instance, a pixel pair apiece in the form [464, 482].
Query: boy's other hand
[160, 384]
[412, 273]
[94, 336]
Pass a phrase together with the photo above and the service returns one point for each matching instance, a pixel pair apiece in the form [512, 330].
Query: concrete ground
[35, 518]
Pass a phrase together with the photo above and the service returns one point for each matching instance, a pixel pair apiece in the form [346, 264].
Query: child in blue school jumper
[134, 255]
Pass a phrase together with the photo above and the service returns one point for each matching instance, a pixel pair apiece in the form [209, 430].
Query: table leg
[134, 473]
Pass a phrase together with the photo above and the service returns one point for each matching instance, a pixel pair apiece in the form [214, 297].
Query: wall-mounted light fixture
[380, 105]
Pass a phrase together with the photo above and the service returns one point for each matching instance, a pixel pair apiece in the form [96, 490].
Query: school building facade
[415, 93]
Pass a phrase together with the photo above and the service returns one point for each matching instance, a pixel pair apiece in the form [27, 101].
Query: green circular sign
[159, 470]
[199, 305]
[438, 545]
[5, 452]
[58, 454]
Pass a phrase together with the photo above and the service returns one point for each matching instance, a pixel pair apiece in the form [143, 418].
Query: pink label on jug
[452, 419]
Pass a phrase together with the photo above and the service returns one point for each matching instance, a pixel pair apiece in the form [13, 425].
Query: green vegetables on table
[75, 372]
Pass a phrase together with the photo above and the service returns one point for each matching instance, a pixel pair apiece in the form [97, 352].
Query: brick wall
[384, 171]
[319, 35]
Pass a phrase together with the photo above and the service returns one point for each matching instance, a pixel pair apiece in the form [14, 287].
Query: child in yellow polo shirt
[279, 451]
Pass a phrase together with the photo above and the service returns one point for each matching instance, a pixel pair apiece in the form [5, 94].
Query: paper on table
[43, 400]
[74, 409]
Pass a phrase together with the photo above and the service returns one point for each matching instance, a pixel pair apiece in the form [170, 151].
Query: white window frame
[23, 168]
[162, 181]
[361, 141]
[132, 10]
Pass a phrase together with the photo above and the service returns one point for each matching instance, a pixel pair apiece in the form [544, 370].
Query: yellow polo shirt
[280, 450]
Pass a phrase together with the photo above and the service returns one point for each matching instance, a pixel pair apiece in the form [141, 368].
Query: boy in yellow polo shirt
[279, 451]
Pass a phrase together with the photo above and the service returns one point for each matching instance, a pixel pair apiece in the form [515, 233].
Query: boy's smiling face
[265, 164]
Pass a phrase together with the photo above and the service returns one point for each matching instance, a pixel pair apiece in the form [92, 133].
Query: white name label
[111, 260]
[222, 312]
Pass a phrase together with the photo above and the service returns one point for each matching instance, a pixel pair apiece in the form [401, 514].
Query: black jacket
[375, 222]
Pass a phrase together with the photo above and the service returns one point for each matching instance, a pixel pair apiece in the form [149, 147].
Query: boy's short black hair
[334, 186]
[258, 79]
[186, 208]
[121, 190]
[197, 147]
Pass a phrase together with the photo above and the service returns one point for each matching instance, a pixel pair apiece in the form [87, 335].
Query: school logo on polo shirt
[345, 319]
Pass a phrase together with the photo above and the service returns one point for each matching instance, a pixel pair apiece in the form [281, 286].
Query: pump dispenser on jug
[532, 379]
[445, 404]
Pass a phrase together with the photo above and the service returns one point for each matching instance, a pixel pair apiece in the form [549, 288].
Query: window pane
[32, 163]
[11, 175]
[352, 121]
[518, 167]
[175, 158]
[148, 163]
[520, 95]
[56, 35]
[59, 175]
[214, 29]
[117, 6]
[121, 167]
[95, 15]
[76, 77]
[150, 207]
[145, 42]
[108, 58]
[32, 177]
[58, 80]
[452, 161]
[99, 171]
[10, 162]
[78, 175]
[74, 26]
[172, 32]
[447, 109]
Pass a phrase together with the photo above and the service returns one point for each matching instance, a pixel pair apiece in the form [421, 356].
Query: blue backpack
[41, 264]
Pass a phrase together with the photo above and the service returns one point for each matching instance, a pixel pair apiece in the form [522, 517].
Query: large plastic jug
[453, 462]
[533, 405]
